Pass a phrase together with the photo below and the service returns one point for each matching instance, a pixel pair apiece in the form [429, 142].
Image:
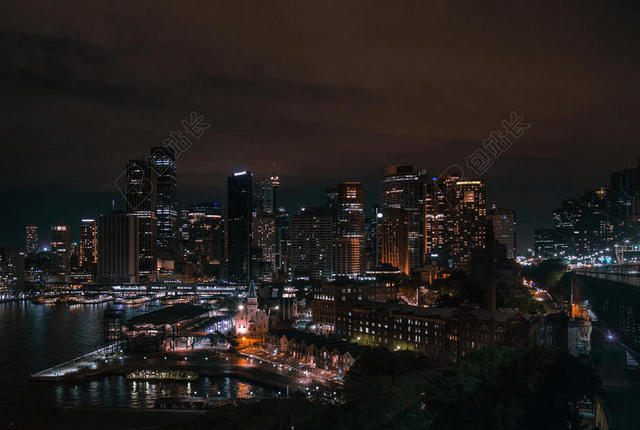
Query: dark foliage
[493, 388]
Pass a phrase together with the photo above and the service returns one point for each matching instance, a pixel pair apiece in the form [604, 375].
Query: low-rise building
[319, 351]
[445, 334]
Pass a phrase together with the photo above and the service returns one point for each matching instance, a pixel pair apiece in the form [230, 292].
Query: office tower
[141, 194]
[625, 188]
[283, 226]
[548, 243]
[31, 239]
[349, 233]
[264, 245]
[118, 238]
[394, 238]
[239, 226]
[503, 223]
[402, 187]
[88, 244]
[439, 207]
[469, 221]
[205, 234]
[61, 249]
[265, 195]
[163, 161]
[372, 242]
[311, 245]
[12, 269]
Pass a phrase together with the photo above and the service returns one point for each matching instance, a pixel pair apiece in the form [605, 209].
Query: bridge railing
[97, 352]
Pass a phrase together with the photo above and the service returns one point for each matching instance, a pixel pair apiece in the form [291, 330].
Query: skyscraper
[88, 244]
[141, 193]
[239, 226]
[469, 220]
[439, 207]
[118, 238]
[31, 239]
[503, 223]
[283, 239]
[264, 244]
[402, 187]
[61, 249]
[311, 248]
[206, 230]
[265, 195]
[163, 161]
[349, 232]
[394, 236]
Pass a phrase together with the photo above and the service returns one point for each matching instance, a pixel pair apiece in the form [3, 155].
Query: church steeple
[252, 291]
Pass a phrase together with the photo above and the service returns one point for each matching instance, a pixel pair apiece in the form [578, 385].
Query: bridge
[626, 273]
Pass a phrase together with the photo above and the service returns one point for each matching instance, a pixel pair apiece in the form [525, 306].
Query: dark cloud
[325, 90]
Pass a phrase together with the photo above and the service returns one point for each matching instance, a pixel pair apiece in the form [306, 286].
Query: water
[35, 337]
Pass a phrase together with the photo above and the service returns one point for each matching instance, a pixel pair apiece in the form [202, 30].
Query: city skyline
[524, 230]
[321, 117]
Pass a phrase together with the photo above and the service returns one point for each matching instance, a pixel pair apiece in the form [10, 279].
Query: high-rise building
[61, 249]
[163, 161]
[239, 226]
[264, 246]
[372, 242]
[283, 239]
[439, 207]
[142, 198]
[265, 195]
[469, 221]
[402, 187]
[503, 223]
[394, 236]
[31, 239]
[118, 238]
[88, 244]
[349, 232]
[205, 237]
[545, 243]
[311, 248]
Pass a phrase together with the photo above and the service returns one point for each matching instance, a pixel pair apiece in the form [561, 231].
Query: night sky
[328, 91]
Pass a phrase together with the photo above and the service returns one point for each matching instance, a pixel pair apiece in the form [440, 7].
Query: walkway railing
[51, 371]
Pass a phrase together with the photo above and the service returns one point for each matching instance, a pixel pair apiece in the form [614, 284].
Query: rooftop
[170, 315]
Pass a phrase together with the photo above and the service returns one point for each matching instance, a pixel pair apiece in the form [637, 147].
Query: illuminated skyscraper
[349, 231]
[283, 255]
[88, 244]
[393, 234]
[265, 195]
[141, 194]
[118, 238]
[264, 244]
[239, 226]
[164, 163]
[31, 239]
[469, 220]
[439, 208]
[205, 236]
[311, 249]
[61, 249]
[503, 223]
[402, 187]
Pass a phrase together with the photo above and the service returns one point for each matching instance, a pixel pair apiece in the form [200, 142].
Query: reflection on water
[117, 391]
[35, 337]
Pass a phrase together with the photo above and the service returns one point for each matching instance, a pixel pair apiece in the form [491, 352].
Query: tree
[502, 388]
